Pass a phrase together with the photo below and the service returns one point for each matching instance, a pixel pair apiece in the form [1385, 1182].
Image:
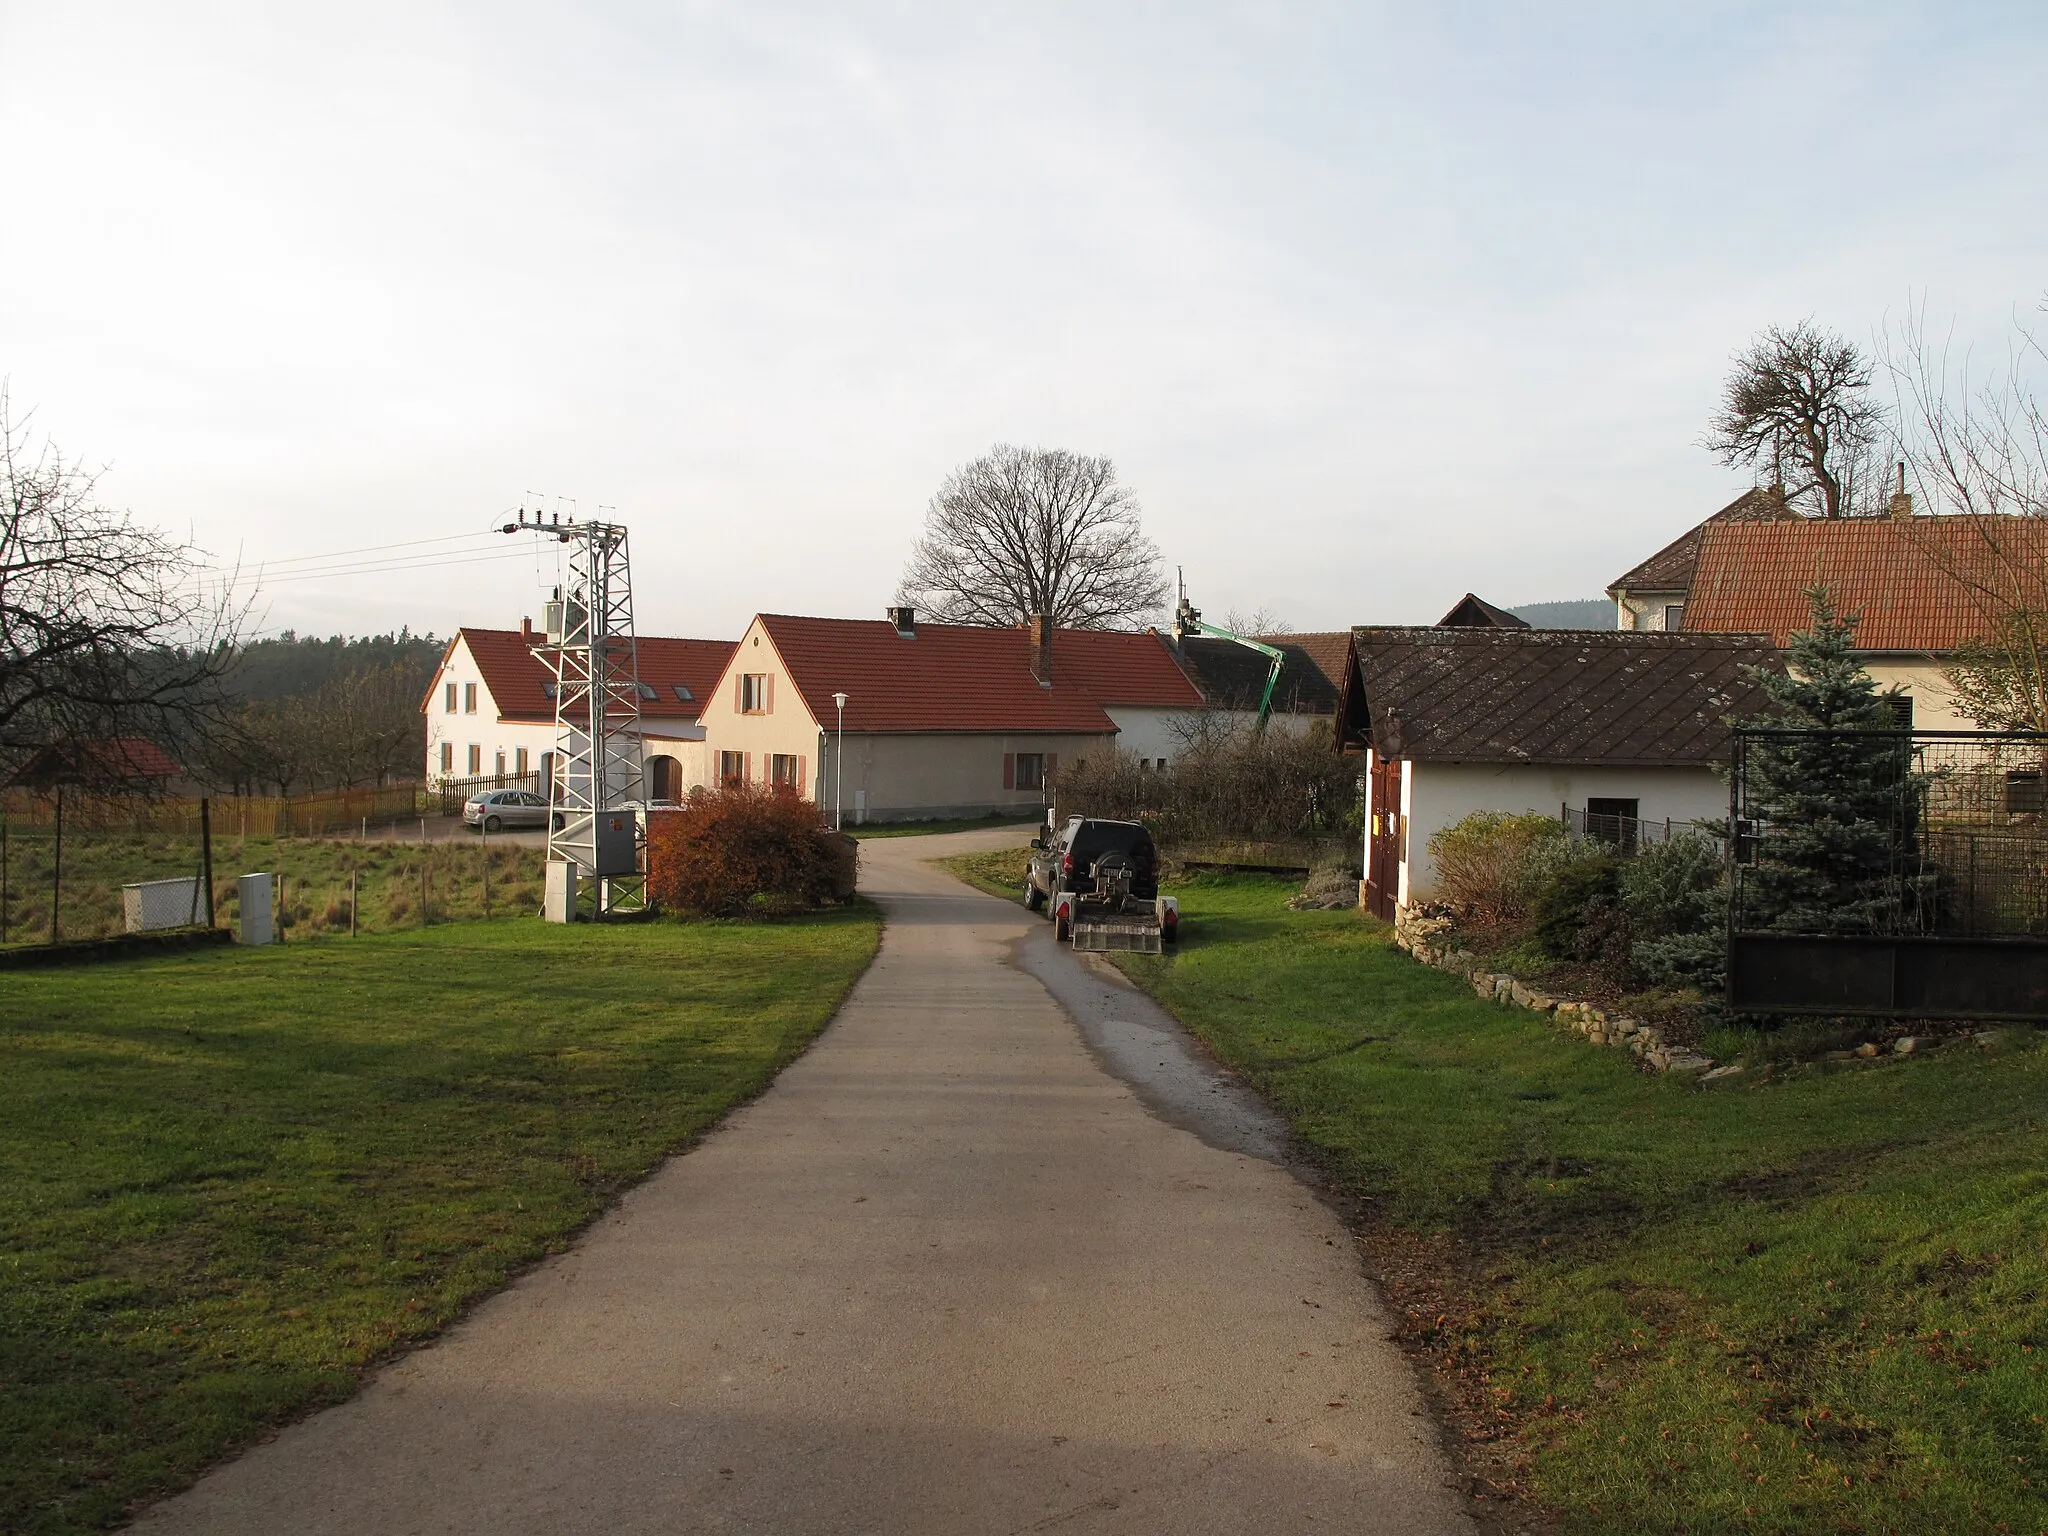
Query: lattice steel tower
[598, 746]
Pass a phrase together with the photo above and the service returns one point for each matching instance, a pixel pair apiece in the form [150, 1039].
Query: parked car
[1063, 863]
[496, 808]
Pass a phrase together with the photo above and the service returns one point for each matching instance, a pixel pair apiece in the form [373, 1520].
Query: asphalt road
[973, 1264]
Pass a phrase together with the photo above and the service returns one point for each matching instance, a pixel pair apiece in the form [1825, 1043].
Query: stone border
[1417, 934]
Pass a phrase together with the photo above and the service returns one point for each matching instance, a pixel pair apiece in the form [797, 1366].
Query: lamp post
[839, 768]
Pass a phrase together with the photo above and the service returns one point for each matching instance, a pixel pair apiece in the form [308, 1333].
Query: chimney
[905, 620]
[1901, 505]
[526, 630]
[1041, 648]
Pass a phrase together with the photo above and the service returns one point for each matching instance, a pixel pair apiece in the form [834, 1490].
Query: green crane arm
[1274, 653]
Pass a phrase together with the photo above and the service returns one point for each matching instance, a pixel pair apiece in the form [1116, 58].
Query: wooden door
[1383, 876]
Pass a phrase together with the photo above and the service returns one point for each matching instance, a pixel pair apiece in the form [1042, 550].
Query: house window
[754, 693]
[519, 761]
[499, 769]
[2023, 792]
[1902, 710]
[1614, 821]
[1674, 617]
[448, 753]
[469, 698]
[732, 768]
[1031, 770]
[476, 760]
[647, 693]
[683, 695]
[451, 698]
[785, 768]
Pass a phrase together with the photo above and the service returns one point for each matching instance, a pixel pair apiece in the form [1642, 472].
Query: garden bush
[1574, 891]
[744, 849]
[1676, 900]
[1484, 863]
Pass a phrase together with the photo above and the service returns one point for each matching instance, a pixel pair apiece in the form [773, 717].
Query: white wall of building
[1437, 795]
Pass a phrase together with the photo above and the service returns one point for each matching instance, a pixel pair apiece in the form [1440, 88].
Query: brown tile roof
[1233, 676]
[1474, 612]
[517, 677]
[958, 677]
[114, 760]
[1671, 568]
[1555, 695]
[1921, 584]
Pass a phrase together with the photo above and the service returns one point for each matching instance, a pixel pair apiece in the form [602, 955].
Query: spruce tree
[1838, 804]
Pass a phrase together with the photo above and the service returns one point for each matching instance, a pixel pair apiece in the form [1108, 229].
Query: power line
[382, 568]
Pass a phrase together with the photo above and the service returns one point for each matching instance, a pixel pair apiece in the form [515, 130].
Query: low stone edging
[1418, 935]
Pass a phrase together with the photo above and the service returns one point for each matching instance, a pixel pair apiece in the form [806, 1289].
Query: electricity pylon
[598, 745]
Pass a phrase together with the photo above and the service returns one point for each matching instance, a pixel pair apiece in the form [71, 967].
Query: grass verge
[932, 828]
[1817, 1303]
[232, 1179]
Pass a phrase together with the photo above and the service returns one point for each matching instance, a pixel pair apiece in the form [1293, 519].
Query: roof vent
[905, 620]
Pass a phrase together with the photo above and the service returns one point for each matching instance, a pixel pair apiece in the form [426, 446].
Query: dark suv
[1064, 860]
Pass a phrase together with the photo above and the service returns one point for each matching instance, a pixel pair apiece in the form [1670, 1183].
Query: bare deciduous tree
[107, 627]
[1023, 531]
[1798, 407]
[1258, 622]
[1976, 444]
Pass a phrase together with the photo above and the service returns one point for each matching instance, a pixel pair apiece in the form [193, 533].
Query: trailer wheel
[1034, 898]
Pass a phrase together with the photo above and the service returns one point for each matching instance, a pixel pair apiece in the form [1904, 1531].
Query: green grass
[1814, 1303]
[231, 1179]
[459, 877]
[932, 828]
[1000, 872]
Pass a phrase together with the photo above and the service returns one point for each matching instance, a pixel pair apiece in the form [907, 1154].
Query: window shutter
[746, 767]
[1009, 770]
[768, 691]
[739, 693]
[799, 774]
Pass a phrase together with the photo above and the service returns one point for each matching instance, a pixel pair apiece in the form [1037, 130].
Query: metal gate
[1956, 923]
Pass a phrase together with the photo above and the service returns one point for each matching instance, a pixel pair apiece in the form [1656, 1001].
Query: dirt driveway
[950, 1274]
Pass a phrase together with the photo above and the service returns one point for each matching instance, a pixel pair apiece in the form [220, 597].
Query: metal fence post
[57, 866]
[206, 854]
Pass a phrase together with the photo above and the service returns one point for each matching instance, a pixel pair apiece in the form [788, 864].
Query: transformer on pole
[593, 831]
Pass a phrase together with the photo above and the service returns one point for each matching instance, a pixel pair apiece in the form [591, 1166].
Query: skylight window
[684, 695]
[647, 693]
[549, 689]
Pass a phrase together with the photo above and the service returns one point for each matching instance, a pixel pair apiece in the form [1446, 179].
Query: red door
[1383, 876]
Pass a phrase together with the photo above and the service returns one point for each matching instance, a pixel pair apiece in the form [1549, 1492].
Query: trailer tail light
[1067, 865]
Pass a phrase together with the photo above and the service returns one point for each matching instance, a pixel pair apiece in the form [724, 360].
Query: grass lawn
[231, 1179]
[931, 828]
[1814, 1303]
[463, 879]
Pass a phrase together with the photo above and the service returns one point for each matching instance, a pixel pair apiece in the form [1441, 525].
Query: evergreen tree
[1837, 805]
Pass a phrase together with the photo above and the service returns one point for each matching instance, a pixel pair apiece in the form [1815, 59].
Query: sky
[1370, 305]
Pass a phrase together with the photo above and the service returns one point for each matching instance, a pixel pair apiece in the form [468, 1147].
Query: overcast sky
[1369, 304]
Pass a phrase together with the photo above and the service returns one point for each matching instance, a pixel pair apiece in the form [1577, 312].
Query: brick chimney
[1040, 626]
[1901, 505]
[526, 630]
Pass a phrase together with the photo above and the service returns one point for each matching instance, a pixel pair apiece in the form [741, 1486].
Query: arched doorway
[664, 778]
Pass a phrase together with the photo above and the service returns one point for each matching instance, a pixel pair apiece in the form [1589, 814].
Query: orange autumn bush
[745, 848]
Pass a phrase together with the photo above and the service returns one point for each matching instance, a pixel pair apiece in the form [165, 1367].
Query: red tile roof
[114, 760]
[958, 677]
[1921, 584]
[516, 676]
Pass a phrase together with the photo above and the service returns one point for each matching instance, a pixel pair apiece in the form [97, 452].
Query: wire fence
[1629, 835]
[1962, 819]
[79, 887]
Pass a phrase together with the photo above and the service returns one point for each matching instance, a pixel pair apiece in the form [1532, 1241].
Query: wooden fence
[334, 810]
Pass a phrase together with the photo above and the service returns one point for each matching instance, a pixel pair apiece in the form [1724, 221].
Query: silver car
[497, 808]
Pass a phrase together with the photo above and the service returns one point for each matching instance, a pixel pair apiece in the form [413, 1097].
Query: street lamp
[839, 768]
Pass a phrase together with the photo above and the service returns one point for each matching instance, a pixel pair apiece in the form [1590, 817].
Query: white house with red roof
[490, 709]
[940, 719]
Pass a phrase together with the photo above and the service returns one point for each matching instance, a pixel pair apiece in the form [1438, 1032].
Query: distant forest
[311, 713]
[1588, 613]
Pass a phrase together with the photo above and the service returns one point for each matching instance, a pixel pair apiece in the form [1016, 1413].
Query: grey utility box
[155, 904]
[558, 898]
[618, 851]
[255, 895]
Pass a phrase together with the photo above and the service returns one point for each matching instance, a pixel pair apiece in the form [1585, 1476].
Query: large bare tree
[1023, 531]
[1798, 405]
[1975, 442]
[107, 627]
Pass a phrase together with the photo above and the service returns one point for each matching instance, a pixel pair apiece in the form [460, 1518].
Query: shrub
[1677, 903]
[744, 848]
[1483, 863]
[1573, 892]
